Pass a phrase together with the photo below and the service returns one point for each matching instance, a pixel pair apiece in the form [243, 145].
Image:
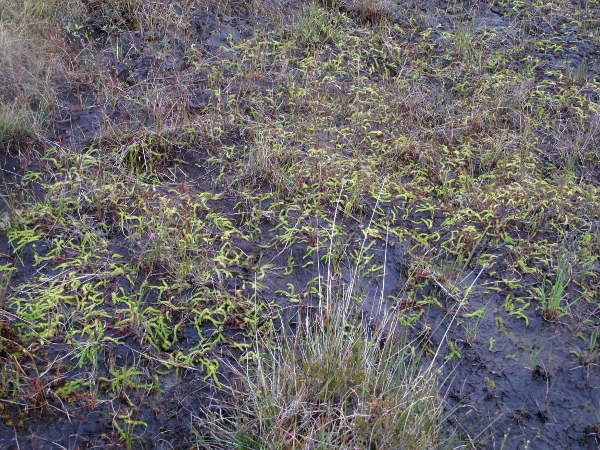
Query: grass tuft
[333, 384]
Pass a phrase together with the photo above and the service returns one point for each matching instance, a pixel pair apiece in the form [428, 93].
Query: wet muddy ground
[513, 378]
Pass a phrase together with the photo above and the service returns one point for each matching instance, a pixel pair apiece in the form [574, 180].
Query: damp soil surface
[126, 303]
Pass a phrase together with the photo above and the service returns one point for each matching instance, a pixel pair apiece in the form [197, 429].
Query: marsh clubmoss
[297, 223]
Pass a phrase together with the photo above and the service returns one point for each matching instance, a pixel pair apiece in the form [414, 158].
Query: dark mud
[520, 382]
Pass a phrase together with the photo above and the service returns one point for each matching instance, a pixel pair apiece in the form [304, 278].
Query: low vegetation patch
[299, 224]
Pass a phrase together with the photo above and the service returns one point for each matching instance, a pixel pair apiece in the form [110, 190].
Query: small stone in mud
[489, 21]
[201, 98]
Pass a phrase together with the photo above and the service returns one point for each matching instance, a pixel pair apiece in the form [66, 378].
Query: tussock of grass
[36, 63]
[331, 385]
[16, 126]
